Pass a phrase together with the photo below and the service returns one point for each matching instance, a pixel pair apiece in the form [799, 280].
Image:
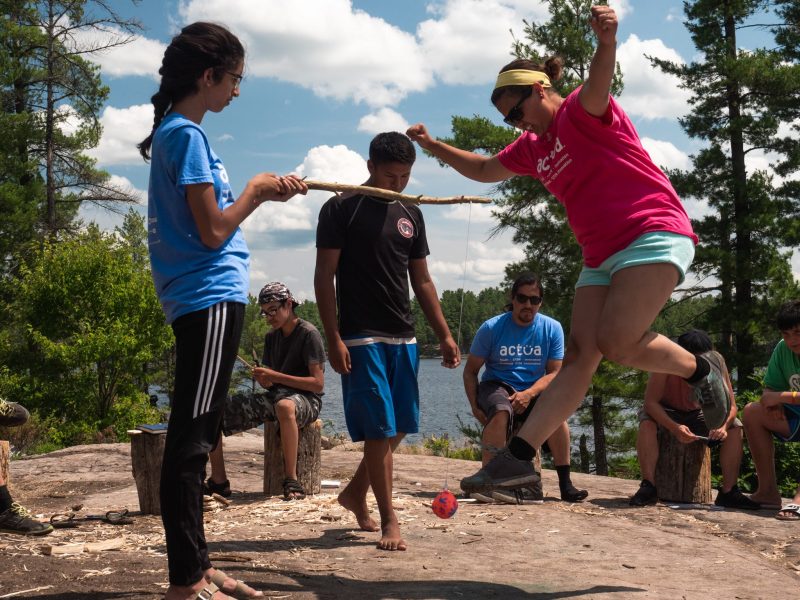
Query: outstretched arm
[594, 93]
[486, 169]
[215, 225]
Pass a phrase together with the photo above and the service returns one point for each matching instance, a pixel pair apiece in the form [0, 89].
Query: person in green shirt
[777, 415]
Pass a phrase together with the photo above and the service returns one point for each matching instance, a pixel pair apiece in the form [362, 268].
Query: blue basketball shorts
[380, 394]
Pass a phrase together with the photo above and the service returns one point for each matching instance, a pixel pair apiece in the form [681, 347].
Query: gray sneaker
[12, 414]
[711, 393]
[525, 495]
[504, 471]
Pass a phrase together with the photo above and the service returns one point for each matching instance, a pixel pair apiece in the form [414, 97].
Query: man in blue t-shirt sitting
[522, 351]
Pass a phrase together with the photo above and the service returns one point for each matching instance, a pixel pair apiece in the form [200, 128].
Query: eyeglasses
[524, 299]
[237, 79]
[515, 114]
[270, 312]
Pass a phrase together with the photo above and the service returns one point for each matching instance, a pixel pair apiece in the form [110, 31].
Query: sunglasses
[524, 299]
[515, 114]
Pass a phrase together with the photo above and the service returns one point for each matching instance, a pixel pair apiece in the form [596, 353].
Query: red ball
[444, 505]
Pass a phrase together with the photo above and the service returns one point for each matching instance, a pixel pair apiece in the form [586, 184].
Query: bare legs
[375, 469]
[730, 453]
[613, 321]
[760, 423]
[290, 438]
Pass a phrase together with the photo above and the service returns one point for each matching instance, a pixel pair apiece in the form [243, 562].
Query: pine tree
[743, 101]
[51, 99]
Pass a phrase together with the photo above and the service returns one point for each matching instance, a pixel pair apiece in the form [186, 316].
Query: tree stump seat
[147, 452]
[309, 458]
[5, 455]
[683, 471]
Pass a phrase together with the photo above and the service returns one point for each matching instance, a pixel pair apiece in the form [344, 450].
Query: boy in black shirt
[371, 247]
[294, 361]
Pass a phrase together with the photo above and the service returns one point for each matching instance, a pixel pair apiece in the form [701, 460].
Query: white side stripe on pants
[212, 354]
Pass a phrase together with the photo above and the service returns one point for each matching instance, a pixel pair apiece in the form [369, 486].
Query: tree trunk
[586, 461]
[600, 457]
[147, 452]
[683, 471]
[309, 458]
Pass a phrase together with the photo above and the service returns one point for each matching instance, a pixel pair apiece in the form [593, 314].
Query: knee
[753, 414]
[648, 430]
[581, 354]
[284, 410]
[616, 349]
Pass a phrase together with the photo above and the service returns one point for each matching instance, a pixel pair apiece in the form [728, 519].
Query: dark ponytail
[197, 47]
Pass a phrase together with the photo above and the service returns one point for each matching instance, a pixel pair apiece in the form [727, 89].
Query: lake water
[442, 402]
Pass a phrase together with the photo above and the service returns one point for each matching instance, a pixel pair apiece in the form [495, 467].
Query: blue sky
[324, 76]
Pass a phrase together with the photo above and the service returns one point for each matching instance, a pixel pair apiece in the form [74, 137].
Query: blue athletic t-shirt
[190, 276]
[517, 355]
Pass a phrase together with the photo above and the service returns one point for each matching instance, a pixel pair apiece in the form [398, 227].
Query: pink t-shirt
[598, 169]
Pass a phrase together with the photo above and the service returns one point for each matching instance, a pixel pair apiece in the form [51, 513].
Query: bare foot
[184, 592]
[359, 508]
[229, 585]
[390, 538]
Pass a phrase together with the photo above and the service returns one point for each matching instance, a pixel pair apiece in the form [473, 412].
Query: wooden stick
[244, 362]
[389, 195]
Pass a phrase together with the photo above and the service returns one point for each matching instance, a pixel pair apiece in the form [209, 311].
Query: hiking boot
[735, 499]
[531, 494]
[645, 496]
[711, 393]
[18, 520]
[12, 414]
[503, 471]
[572, 494]
[482, 498]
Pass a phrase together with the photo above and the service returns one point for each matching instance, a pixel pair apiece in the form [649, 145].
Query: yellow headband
[522, 77]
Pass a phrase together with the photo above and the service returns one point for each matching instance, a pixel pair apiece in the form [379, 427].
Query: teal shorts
[647, 249]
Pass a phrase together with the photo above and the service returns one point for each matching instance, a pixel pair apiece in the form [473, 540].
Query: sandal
[292, 490]
[205, 593]
[242, 590]
[793, 513]
[212, 487]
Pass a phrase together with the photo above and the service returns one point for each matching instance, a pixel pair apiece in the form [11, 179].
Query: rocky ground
[308, 549]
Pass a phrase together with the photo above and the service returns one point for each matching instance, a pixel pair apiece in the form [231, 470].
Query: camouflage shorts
[247, 410]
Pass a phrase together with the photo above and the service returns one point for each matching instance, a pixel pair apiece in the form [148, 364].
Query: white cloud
[322, 163]
[485, 265]
[123, 128]
[649, 92]
[125, 184]
[323, 45]
[139, 56]
[225, 137]
[665, 154]
[473, 213]
[384, 119]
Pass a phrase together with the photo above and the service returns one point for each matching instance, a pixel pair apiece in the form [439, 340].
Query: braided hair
[197, 47]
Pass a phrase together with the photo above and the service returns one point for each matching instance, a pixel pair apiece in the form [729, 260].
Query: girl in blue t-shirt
[200, 267]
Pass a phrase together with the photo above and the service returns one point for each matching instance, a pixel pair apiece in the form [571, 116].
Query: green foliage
[87, 326]
[743, 100]
[51, 96]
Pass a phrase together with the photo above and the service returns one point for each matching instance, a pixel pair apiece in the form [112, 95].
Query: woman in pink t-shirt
[636, 238]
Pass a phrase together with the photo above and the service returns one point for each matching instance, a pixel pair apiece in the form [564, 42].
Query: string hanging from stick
[464, 278]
